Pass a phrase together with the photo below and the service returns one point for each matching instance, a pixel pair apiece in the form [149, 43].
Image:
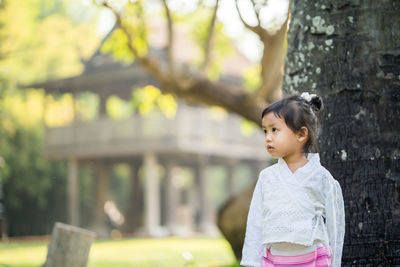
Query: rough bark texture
[349, 53]
[69, 246]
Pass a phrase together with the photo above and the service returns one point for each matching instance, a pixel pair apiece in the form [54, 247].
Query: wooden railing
[193, 129]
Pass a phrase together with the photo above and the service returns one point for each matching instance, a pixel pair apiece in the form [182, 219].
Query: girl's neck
[295, 161]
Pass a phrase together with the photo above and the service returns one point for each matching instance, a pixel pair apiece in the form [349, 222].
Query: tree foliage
[199, 79]
[45, 39]
[39, 40]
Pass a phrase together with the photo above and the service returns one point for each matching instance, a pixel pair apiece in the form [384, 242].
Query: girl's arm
[335, 221]
[253, 248]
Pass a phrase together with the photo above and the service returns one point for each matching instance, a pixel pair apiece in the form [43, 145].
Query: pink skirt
[321, 257]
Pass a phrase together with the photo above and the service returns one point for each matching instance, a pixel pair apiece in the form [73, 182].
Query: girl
[296, 215]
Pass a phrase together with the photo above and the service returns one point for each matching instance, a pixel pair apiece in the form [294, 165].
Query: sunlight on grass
[199, 252]
[23, 254]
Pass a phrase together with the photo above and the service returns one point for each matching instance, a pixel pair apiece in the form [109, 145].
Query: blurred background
[139, 120]
[133, 119]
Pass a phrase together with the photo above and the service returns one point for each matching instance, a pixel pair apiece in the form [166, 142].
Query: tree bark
[349, 53]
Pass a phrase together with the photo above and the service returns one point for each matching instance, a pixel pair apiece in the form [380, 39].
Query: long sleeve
[335, 221]
[253, 248]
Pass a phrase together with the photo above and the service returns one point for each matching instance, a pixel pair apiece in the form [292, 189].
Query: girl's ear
[302, 135]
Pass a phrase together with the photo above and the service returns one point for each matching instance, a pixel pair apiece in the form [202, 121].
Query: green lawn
[171, 252]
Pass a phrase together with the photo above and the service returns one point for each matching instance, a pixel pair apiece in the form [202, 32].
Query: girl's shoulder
[269, 175]
[327, 174]
[329, 180]
[269, 170]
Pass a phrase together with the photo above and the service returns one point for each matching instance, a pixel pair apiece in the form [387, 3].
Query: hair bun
[313, 100]
[316, 103]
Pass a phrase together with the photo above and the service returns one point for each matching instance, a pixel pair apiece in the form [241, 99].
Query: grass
[171, 252]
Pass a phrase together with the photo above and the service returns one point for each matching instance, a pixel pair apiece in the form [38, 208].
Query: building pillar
[231, 164]
[101, 191]
[172, 197]
[206, 212]
[73, 192]
[135, 212]
[152, 195]
[103, 104]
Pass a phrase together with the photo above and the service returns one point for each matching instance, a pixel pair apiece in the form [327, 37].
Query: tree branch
[256, 11]
[170, 43]
[207, 49]
[256, 29]
[272, 61]
[150, 63]
[195, 87]
[235, 100]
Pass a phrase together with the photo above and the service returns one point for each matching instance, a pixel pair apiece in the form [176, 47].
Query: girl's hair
[299, 112]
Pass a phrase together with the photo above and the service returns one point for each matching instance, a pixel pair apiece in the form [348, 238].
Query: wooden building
[193, 139]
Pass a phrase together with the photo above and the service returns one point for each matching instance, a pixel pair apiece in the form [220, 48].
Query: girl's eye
[273, 130]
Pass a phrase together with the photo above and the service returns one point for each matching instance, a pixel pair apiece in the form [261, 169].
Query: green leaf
[150, 98]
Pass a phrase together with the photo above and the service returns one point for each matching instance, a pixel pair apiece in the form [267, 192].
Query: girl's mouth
[270, 147]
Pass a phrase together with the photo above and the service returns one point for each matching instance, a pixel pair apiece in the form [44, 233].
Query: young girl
[296, 215]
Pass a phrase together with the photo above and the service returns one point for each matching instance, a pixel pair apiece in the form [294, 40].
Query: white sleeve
[253, 248]
[335, 221]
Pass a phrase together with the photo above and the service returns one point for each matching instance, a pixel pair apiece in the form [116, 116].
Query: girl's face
[280, 140]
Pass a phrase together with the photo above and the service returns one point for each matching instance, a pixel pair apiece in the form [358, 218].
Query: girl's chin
[273, 154]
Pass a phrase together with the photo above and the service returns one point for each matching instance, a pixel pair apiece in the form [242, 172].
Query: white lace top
[305, 207]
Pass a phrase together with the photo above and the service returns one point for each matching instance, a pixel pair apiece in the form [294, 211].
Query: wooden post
[134, 219]
[172, 196]
[207, 213]
[73, 191]
[101, 190]
[69, 246]
[231, 165]
[152, 195]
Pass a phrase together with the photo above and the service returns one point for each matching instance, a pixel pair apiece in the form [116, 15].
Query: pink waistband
[303, 257]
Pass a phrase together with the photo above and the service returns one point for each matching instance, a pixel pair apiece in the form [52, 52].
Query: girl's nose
[268, 137]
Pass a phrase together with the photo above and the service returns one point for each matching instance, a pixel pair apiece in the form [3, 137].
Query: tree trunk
[232, 219]
[349, 53]
[69, 246]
